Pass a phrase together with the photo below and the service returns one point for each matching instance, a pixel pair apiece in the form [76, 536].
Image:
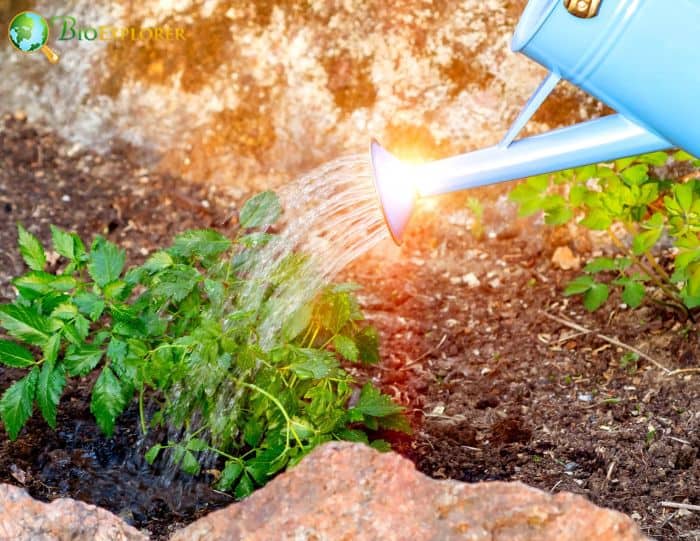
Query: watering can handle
[534, 103]
[585, 9]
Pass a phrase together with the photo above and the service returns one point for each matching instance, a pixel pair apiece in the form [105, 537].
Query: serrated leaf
[298, 322]
[260, 210]
[31, 249]
[158, 262]
[90, 305]
[596, 296]
[81, 360]
[34, 284]
[202, 243]
[558, 215]
[106, 262]
[375, 404]
[397, 422]
[14, 355]
[16, 403]
[116, 350]
[232, 471]
[51, 349]
[346, 347]
[313, 364]
[65, 311]
[25, 323]
[175, 283]
[50, 386]
[64, 243]
[255, 239]
[108, 400]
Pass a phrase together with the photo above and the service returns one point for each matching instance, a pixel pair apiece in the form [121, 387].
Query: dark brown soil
[495, 388]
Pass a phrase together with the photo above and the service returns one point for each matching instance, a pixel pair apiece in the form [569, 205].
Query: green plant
[182, 329]
[624, 196]
[477, 209]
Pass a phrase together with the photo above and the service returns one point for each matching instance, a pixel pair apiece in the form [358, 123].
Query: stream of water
[332, 216]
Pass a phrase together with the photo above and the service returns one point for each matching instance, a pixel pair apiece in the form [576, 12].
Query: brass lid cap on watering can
[583, 8]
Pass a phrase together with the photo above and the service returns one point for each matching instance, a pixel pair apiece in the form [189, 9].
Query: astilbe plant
[180, 331]
[624, 196]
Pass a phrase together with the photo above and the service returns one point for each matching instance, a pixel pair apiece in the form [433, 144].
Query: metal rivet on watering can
[583, 8]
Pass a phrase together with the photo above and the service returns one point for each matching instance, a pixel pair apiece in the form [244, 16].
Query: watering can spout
[399, 184]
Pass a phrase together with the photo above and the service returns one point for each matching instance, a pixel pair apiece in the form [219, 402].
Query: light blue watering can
[640, 57]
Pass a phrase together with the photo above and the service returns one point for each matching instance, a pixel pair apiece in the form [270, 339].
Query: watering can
[640, 57]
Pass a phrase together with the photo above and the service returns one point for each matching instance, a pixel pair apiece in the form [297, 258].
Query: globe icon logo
[29, 32]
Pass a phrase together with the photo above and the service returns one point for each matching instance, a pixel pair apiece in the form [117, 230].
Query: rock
[345, 491]
[261, 91]
[24, 518]
[565, 259]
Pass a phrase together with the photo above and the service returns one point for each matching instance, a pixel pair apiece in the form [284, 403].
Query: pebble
[585, 397]
[471, 280]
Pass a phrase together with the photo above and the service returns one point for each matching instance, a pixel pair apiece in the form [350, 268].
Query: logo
[29, 32]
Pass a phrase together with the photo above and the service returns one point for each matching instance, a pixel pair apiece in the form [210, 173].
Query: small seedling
[630, 361]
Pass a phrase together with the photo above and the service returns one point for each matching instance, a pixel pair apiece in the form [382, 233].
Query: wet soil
[496, 389]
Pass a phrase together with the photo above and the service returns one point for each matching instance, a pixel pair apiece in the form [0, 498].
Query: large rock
[261, 91]
[23, 518]
[350, 492]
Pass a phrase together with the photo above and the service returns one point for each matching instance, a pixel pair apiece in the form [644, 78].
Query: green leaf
[645, 241]
[596, 296]
[153, 453]
[346, 347]
[90, 305]
[558, 215]
[684, 195]
[186, 460]
[202, 243]
[298, 322]
[633, 294]
[600, 264]
[654, 158]
[25, 323]
[116, 350]
[81, 360]
[255, 239]
[635, 175]
[260, 210]
[31, 249]
[197, 444]
[244, 488]
[375, 404]
[232, 471]
[382, 446]
[313, 364]
[14, 355]
[108, 400]
[52, 379]
[367, 341]
[158, 262]
[51, 349]
[176, 283]
[578, 285]
[106, 262]
[34, 284]
[67, 244]
[65, 311]
[16, 403]
[597, 220]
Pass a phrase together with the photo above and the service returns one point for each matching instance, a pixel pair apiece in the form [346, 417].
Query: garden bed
[496, 389]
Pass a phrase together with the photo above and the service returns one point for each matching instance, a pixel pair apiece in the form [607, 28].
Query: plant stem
[142, 415]
[654, 277]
